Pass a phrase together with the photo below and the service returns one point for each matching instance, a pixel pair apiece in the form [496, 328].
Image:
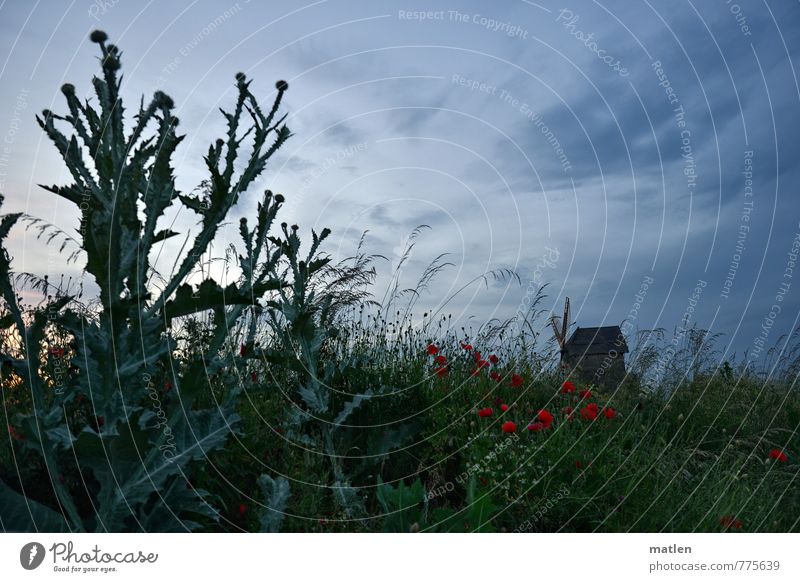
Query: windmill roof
[598, 339]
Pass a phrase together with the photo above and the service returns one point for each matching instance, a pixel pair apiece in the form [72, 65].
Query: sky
[636, 157]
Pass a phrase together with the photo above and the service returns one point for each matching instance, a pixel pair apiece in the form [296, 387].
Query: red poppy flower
[588, 413]
[498, 401]
[254, 376]
[477, 355]
[442, 372]
[476, 372]
[485, 412]
[544, 417]
[167, 385]
[243, 350]
[504, 407]
[567, 410]
[578, 464]
[495, 376]
[778, 455]
[567, 387]
[509, 426]
[609, 413]
[242, 509]
[440, 360]
[432, 350]
[592, 406]
[584, 394]
[482, 364]
[516, 381]
[100, 421]
[729, 521]
[467, 347]
[536, 426]
[494, 359]
[14, 434]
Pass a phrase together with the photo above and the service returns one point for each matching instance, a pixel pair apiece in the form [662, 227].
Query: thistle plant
[128, 425]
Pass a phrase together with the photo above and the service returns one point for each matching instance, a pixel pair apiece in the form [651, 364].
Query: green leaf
[20, 514]
[276, 495]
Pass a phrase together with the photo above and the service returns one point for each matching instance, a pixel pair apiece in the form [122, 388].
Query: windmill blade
[557, 332]
[565, 321]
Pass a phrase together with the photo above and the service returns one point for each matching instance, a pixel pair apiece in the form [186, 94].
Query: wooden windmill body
[591, 354]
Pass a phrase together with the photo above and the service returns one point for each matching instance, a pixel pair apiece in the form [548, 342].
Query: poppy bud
[241, 77]
[281, 85]
[98, 36]
[279, 198]
[68, 89]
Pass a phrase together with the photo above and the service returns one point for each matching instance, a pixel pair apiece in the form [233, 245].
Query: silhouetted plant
[127, 425]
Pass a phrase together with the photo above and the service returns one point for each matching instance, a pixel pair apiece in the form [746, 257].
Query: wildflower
[485, 412]
[432, 350]
[609, 413]
[243, 350]
[167, 386]
[101, 420]
[544, 417]
[467, 347]
[14, 434]
[778, 455]
[504, 407]
[567, 410]
[588, 413]
[509, 426]
[584, 394]
[441, 360]
[242, 509]
[482, 364]
[578, 464]
[516, 381]
[567, 387]
[477, 355]
[536, 426]
[498, 401]
[730, 521]
[495, 376]
[254, 376]
[494, 359]
[442, 372]
[476, 372]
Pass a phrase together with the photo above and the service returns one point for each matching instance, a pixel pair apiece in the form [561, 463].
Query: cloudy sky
[593, 146]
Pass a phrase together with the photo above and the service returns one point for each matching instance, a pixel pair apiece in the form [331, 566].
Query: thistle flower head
[98, 36]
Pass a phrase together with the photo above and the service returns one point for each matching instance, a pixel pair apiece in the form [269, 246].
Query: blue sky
[589, 145]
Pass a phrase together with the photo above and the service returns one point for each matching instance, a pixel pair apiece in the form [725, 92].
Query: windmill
[561, 327]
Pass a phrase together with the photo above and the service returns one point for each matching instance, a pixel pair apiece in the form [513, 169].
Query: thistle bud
[163, 100]
[281, 85]
[111, 63]
[98, 36]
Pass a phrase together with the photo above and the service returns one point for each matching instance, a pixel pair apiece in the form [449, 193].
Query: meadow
[301, 398]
